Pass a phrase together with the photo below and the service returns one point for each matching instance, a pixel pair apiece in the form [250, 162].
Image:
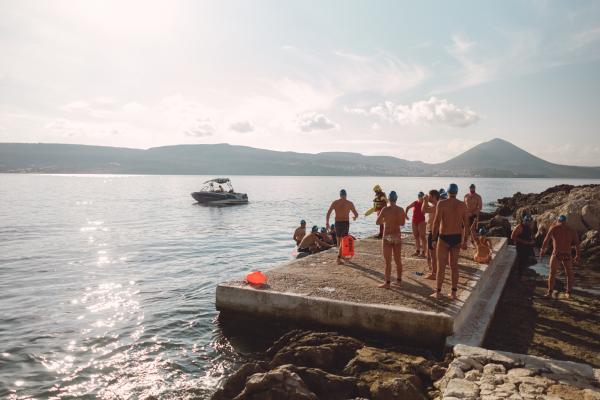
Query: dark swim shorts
[342, 228]
[430, 240]
[452, 240]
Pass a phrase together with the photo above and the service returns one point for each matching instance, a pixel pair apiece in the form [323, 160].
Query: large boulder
[499, 226]
[236, 382]
[325, 350]
[590, 213]
[280, 383]
[402, 387]
[328, 386]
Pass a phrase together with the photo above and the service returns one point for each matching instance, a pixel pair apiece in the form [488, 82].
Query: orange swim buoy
[347, 245]
[256, 278]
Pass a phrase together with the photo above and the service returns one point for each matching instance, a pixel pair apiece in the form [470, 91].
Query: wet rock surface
[506, 375]
[325, 365]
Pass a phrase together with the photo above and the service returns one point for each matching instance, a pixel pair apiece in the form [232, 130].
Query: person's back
[563, 239]
[451, 213]
[394, 217]
[342, 208]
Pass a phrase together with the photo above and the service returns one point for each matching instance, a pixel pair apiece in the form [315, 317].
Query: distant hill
[496, 158]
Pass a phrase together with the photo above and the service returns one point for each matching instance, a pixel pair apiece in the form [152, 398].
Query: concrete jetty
[316, 290]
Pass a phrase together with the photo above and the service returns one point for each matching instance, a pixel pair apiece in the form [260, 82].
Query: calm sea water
[107, 282]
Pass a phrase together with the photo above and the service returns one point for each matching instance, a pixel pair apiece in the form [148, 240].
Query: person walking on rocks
[564, 238]
[342, 207]
[522, 237]
[451, 229]
[392, 218]
[418, 225]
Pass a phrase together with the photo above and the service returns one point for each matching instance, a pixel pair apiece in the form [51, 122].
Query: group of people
[442, 225]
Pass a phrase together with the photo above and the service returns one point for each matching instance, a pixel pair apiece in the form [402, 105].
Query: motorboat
[219, 191]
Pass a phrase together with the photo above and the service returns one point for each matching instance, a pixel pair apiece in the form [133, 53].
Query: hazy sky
[418, 80]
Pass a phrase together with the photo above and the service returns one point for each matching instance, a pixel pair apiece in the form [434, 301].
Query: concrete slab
[317, 290]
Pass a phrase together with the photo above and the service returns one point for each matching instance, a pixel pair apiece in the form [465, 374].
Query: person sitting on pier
[332, 234]
[451, 227]
[392, 217]
[311, 242]
[429, 205]
[300, 232]
[483, 247]
[564, 238]
[324, 236]
[342, 207]
[522, 237]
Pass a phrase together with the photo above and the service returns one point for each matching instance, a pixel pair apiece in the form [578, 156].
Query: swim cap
[562, 218]
[472, 186]
[315, 229]
[481, 231]
[377, 188]
[526, 217]
[302, 222]
[420, 194]
[343, 192]
[393, 196]
[453, 188]
[443, 195]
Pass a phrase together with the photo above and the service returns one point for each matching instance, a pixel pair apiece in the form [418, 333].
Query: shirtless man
[392, 217]
[300, 232]
[342, 208]
[563, 240]
[483, 247]
[474, 205]
[429, 205]
[451, 227]
[311, 242]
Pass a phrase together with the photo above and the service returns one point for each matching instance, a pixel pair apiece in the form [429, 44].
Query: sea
[107, 282]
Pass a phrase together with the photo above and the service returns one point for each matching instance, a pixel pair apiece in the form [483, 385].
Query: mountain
[496, 158]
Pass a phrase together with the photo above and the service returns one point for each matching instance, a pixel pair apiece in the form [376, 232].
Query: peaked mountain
[496, 158]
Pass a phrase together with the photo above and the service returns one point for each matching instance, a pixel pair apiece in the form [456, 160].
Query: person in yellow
[379, 202]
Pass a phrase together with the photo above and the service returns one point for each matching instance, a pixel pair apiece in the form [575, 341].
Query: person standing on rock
[474, 205]
[342, 207]
[392, 217]
[418, 225]
[522, 237]
[429, 205]
[451, 229]
[564, 238]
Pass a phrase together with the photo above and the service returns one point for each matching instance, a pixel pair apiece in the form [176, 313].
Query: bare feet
[430, 276]
[453, 295]
[415, 254]
[340, 261]
[398, 282]
[385, 285]
[567, 295]
[436, 295]
[548, 295]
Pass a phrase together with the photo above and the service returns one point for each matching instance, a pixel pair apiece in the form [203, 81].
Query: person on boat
[342, 207]
[392, 217]
[483, 247]
[311, 243]
[563, 238]
[300, 232]
[474, 205]
[418, 225]
[220, 189]
[522, 237]
[429, 206]
[451, 230]
[332, 234]
[379, 202]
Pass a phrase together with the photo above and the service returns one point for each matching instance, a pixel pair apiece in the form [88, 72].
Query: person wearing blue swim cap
[564, 238]
[522, 237]
[392, 218]
[474, 204]
[342, 207]
[312, 243]
[451, 228]
[483, 246]
[299, 232]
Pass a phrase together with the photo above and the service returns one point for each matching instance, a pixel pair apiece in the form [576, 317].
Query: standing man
[450, 229]
[522, 237]
[392, 217]
[474, 205]
[342, 208]
[429, 207]
[379, 202]
[563, 240]
[300, 232]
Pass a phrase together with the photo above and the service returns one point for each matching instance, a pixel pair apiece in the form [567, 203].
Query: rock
[401, 388]
[437, 372]
[519, 372]
[494, 369]
[235, 383]
[470, 362]
[453, 372]
[591, 394]
[325, 350]
[327, 386]
[462, 389]
[590, 213]
[473, 375]
[565, 392]
[370, 358]
[499, 226]
[278, 384]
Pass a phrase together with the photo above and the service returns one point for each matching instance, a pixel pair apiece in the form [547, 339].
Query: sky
[419, 80]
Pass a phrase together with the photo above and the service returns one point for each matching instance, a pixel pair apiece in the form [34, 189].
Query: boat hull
[216, 198]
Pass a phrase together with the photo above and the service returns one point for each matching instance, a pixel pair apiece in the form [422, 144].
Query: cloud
[242, 127]
[434, 111]
[312, 121]
[75, 106]
[201, 127]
